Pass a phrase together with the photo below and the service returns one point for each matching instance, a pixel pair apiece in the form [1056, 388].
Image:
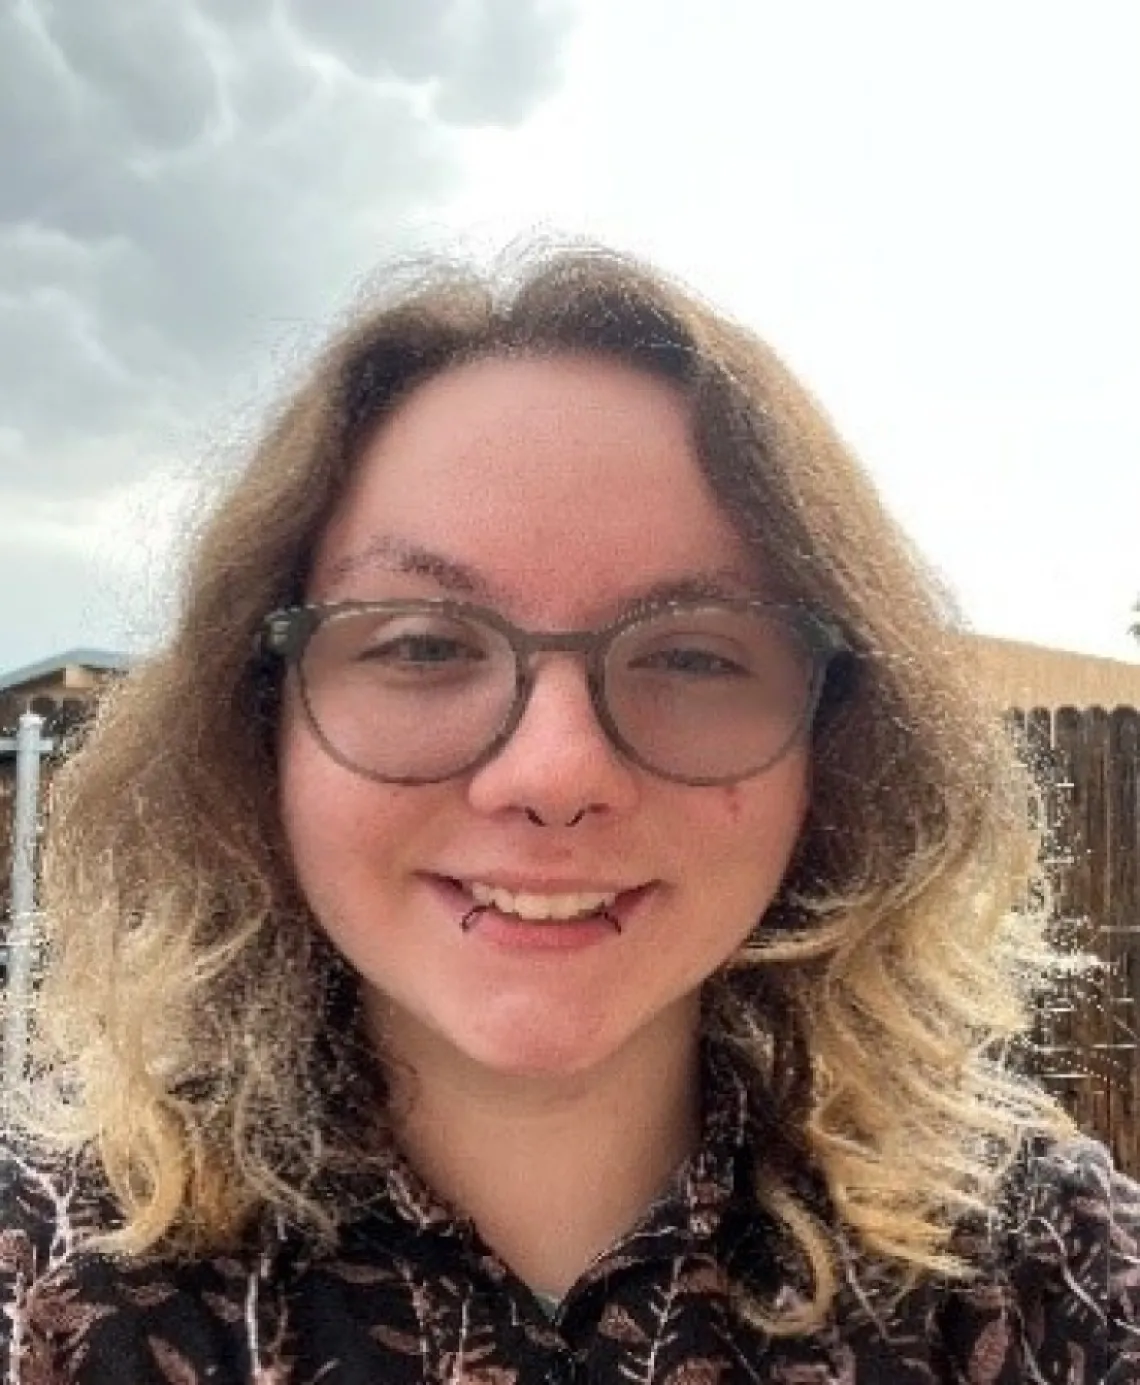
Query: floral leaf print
[149, 1294]
[419, 1298]
[473, 1358]
[708, 1372]
[812, 1373]
[618, 1325]
[661, 1309]
[701, 1277]
[1077, 1362]
[1056, 1297]
[176, 1369]
[226, 1310]
[16, 1252]
[394, 1340]
[353, 1272]
[991, 1350]
[59, 1301]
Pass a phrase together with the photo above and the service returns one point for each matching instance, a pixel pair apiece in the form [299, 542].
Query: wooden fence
[1088, 763]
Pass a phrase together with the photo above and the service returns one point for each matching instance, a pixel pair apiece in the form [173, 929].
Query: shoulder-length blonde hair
[203, 1038]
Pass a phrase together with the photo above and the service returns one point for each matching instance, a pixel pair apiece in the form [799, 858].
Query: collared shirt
[412, 1294]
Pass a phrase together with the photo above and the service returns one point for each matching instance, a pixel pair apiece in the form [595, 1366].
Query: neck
[552, 1169]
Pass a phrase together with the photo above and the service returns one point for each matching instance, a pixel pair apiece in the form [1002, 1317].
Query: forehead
[561, 484]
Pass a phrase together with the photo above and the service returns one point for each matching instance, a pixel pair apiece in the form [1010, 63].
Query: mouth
[562, 910]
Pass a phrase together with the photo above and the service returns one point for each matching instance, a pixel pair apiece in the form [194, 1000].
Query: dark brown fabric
[411, 1294]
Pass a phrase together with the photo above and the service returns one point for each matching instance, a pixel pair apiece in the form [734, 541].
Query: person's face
[558, 490]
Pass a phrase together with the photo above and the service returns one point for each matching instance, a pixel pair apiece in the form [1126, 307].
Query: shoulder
[69, 1313]
[41, 1210]
[1068, 1193]
[40, 1224]
[1076, 1234]
[1062, 1287]
[1070, 1208]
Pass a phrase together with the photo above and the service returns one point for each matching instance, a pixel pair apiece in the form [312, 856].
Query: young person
[555, 910]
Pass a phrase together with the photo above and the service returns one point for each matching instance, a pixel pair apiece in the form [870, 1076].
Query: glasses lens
[710, 692]
[408, 694]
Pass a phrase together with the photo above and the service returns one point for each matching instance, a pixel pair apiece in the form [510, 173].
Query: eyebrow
[401, 556]
[722, 585]
[396, 555]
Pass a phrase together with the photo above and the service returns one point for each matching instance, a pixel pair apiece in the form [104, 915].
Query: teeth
[535, 907]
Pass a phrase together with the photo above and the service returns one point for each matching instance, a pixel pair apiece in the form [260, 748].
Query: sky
[932, 211]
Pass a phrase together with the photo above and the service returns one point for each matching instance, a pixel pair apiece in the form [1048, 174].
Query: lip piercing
[467, 922]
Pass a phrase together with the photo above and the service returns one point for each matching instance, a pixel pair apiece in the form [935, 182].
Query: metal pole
[21, 934]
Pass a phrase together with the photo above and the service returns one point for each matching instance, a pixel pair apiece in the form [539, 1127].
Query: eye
[422, 650]
[692, 661]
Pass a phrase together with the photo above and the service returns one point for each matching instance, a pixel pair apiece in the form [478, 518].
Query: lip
[511, 935]
[534, 884]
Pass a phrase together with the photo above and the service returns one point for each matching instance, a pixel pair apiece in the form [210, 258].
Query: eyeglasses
[416, 692]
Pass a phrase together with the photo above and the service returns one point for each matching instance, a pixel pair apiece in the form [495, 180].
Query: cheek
[735, 804]
[304, 799]
[322, 804]
[333, 821]
[295, 768]
[352, 840]
[313, 821]
[751, 829]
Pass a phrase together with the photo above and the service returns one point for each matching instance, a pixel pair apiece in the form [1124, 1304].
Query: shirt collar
[688, 1213]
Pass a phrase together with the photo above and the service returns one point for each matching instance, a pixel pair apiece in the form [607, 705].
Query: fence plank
[1093, 1031]
[1067, 863]
[1122, 932]
[1088, 763]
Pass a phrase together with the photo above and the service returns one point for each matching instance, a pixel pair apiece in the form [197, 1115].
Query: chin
[535, 1055]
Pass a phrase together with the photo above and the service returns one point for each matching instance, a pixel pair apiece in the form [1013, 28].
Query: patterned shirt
[410, 1293]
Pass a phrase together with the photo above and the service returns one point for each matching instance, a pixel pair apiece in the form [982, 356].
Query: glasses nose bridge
[588, 646]
[533, 643]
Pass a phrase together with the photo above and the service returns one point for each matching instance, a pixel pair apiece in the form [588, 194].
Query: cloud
[68, 579]
[186, 182]
[484, 63]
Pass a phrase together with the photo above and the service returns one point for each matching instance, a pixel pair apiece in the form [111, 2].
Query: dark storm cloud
[183, 181]
[144, 69]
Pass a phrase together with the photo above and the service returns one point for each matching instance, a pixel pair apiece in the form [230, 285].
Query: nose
[559, 763]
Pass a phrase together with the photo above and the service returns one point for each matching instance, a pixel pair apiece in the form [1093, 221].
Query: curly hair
[197, 1034]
